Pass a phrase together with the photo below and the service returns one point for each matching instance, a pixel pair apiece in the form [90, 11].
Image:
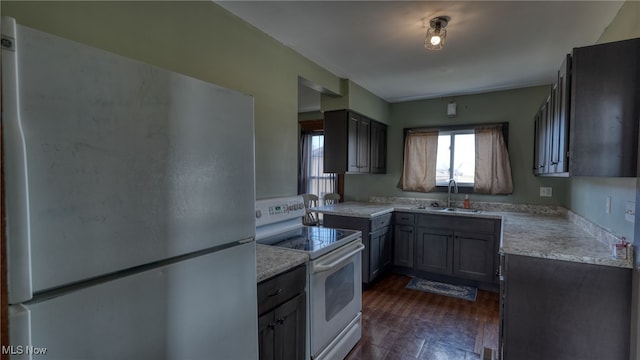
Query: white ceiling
[490, 45]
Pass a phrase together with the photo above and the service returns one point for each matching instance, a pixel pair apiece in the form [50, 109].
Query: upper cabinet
[588, 126]
[354, 143]
[605, 108]
[552, 127]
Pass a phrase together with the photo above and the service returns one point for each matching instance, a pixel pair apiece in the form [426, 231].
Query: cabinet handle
[276, 293]
[280, 321]
[271, 326]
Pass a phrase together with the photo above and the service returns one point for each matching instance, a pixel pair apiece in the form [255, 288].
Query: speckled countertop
[271, 261]
[555, 237]
[537, 231]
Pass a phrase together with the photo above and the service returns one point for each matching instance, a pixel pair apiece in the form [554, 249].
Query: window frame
[456, 128]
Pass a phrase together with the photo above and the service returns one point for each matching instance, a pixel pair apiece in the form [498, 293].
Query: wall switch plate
[546, 191]
[630, 211]
[607, 205]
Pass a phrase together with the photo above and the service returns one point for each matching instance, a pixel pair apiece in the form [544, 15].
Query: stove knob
[258, 214]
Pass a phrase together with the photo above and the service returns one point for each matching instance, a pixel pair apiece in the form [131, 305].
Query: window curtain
[493, 169]
[420, 154]
[305, 151]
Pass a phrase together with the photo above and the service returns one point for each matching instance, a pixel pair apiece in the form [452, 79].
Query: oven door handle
[326, 267]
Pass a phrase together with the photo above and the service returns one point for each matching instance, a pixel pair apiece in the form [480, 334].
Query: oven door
[336, 293]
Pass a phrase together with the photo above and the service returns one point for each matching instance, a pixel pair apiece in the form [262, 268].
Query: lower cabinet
[380, 252]
[403, 241]
[434, 251]
[282, 316]
[452, 245]
[376, 238]
[561, 310]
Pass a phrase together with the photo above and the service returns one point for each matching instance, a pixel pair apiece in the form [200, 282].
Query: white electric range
[334, 281]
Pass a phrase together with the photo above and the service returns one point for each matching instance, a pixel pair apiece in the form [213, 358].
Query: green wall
[514, 106]
[200, 39]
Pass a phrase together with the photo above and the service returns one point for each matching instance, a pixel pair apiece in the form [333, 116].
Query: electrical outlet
[630, 211]
[607, 205]
[546, 191]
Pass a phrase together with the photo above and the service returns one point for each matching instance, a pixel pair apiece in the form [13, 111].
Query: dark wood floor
[400, 323]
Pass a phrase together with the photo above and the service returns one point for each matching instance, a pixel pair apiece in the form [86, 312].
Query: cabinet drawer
[458, 223]
[405, 218]
[381, 221]
[281, 288]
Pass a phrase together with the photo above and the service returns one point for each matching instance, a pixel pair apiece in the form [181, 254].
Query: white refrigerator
[130, 207]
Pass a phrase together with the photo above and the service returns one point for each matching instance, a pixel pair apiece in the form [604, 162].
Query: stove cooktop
[316, 240]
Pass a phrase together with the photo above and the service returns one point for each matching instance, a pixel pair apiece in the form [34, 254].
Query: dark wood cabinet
[460, 247]
[434, 250]
[588, 124]
[605, 88]
[561, 93]
[376, 238]
[378, 148]
[403, 239]
[380, 257]
[282, 316]
[552, 309]
[552, 127]
[353, 143]
[541, 141]
[474, 255]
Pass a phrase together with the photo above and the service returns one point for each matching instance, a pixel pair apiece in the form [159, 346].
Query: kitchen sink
[449, 209]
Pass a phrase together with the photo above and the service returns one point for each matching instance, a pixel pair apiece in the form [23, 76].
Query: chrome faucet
[455, 187]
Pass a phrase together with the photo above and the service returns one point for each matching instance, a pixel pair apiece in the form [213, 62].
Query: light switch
[607, 205]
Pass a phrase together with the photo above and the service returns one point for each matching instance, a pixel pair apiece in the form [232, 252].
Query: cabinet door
[403, 240]
[565, 310]
[352, 142]
[473, 256]
[290, 329]
[434, 251]
[380, 252]
[266, 336]
[604, 109]
[385, 256]
[378, 148]
[541, 164]
[559, 120]
[364, 133]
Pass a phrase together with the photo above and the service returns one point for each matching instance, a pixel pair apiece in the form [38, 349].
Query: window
[456, 157]
[475, 156]
[311, 176]
[317, 181]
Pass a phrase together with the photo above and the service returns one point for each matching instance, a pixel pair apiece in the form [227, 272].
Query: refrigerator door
[125, 163]
[193, 309]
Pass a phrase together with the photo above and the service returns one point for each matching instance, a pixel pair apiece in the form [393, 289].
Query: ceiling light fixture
[436, 33]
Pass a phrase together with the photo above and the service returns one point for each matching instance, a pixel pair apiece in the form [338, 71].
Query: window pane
[464, 158]
[319, 182]
[443, 160]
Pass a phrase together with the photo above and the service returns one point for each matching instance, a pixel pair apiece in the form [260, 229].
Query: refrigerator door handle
[15, 162]
[19, 331]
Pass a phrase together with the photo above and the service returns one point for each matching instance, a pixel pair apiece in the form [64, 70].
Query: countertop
[271, 261]
[523, 233]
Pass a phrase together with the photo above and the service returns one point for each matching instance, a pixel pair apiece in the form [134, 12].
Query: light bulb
[435, 40]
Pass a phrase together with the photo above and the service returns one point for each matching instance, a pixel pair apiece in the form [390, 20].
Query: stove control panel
[269, 211]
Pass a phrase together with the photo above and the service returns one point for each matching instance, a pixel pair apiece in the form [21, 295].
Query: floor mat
[458, 291]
